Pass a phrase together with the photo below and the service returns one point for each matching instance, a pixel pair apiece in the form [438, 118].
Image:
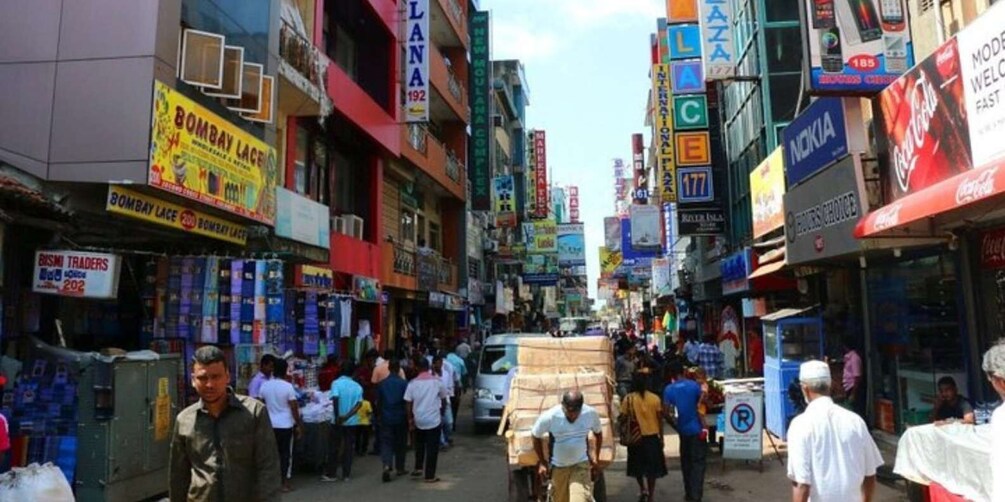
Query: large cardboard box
[566, 355]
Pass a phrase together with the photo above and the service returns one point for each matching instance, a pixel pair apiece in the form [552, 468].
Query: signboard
[686, 77]
[365, 289]
[641, 193]
[417, 44]
[571, 245]
[612, 233]
[767, 188]
[661, 277]
[692, 222]
[858, 46]
[137, 205]
[541, 236]
[540, 268]
[645, 222]
[744, 433]
[685, 41]
[609, 261]
[573, 204]
[690, 111]
[476, 295]
[695, 184]
[199, 155]
[541, 173]
[982, 59]
[692, 148]
[736, 269]
[993, 249]
[815, 139]
[309, 276]
[821, 214]
[504, 299]
[717, 55]
[504, 201]
[682, 11]
[663, 140]
[72, 273]
[302, 219]
[479, 96]
[428, 271]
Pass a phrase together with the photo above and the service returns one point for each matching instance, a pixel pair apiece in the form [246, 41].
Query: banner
[530, 177]
[417, 42]
[541, 236]
[301, 219]
[72, 273]
[479, 95]
[856, 46]
[541, 174]
[539, 268]
[571, 245]
[609, 262]
[982, 58]
[137, 205]
[199, 155]
[504, 201]
[612, 233]
[822, 212]
[663, 127]
[767, 188]
[661, 277]
[645, 221]
[640, 194]
[717, 56]
[815, 139]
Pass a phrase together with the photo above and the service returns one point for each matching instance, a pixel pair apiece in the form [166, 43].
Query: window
[434, 237]
[407, 228]
[781, 10]
[300, 175]
[784, 96]
[784, 49]
[345, 52]
[202, 59]
[421, 229]
[349, 195]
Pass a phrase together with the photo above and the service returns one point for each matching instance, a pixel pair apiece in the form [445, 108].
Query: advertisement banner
[504, 201]
[301, 219]
[645, 222]
[855, 46]
[682, 11]
[716, 17]
[199, 155]
[982, 58]
[992, 249]
[692, 222]
[137, 205]
[822, 212]
[417, 44]
[612, 233]
[541, 236]
[661, 277]
[767, 188]
[815, 139]
[735, 269]
[541, 174]
[72, 273]
[539, 268]
[694, 184]
[609, 261]
[479, 96]
[571, 245]
[365, 289]
[663, 114]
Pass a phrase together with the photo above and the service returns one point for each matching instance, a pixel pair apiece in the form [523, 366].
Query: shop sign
[630, 252]
[437, 300]
[744, 426]
[692, 148]
[417, 61]
[663, 139]
[78, 274]
[541, 269]
[571, 245]
[504, 201]
[690, 112]
[476, 295]
[767, 188]
[993, 249]
[686, 77]
[541, 173]
[610, 260]
[821, 214]
[815, 139]
[454, 303]
[695, 184]
[685, 41]
[682, 11]
[661, 277]
[428, 271]
[137, 205]
[717, 39]
[199, 155]
[856, 47]
[735, 269]
[573, 204]
[645, 224]
[301, 219]
[639, 168]
[310, 276]
[541, 236]
[479, 92]
[612, 233]
[365, 289]
[982, 59]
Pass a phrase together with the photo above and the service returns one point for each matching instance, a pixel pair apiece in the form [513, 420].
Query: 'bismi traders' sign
[417, 61]
[199, 155]
[69, 273]
[479, 166]
[137, 205]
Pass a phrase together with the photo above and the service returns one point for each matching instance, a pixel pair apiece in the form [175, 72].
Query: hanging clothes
[345, 308]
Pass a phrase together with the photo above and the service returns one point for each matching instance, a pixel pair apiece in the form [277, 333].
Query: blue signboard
[686, 77]
[628, 253]
[815, 139]
[694, 184]
[684, 41]
[735, 269]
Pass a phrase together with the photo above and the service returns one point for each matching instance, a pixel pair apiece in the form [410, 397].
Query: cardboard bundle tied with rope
[533, 394]
[566, 355]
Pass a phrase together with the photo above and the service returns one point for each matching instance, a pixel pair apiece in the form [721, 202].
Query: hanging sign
[144, 207]
[541, 173]
[690, 111]
[686, 77]
[417, 61]
[664, 133]
[365, 289]
[479, 96]
[695, 184]
[72, 273]
[717, 39]
[309, 276]
[685, 41]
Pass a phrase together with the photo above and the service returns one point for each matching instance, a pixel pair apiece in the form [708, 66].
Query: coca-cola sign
[974, 188]
[993, 249]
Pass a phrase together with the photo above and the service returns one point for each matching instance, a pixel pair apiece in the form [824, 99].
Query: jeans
[284, 440]
[427, 450]
[341, 448]
[692, 465]
[393, 443]
[448, 425]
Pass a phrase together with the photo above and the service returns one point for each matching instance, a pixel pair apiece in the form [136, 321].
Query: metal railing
[418, 137]
[445, 272]
[300, 53]
[454, 86]
[404, 261]
[453, 167]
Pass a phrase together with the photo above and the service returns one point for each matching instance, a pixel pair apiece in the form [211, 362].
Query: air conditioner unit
[339, 225]
[497, 121]
[353, 225]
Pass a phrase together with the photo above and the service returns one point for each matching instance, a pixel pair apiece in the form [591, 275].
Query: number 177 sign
[694, 184]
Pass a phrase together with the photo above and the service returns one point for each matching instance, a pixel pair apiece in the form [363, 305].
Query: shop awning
[770, 268]
[961, 191]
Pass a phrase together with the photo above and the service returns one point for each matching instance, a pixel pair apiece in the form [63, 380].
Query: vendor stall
[791, 336]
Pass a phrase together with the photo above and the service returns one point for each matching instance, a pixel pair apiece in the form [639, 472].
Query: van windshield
[498, 359]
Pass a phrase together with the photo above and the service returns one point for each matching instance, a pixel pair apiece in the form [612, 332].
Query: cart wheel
[519, 486]
[600, 488]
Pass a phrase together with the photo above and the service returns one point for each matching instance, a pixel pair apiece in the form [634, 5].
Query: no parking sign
[744, 417]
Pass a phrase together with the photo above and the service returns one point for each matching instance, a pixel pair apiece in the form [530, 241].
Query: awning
[770, 268]
[960, 191]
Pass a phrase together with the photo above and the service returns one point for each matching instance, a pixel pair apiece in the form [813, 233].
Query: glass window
[498, 359]
[407, 229]
[784, 49]
[781, 10]
[300, 174]
[434, 237]
[319, 171]
[345, 52]
[784, 93]
[420, 229]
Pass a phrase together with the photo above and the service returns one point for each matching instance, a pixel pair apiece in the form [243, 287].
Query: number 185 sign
[694, 184]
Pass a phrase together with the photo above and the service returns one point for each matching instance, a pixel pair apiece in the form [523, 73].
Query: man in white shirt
[994, 366]
[281, 400]
[572, 468]
[832, 457]
[449, 378]
[425, 398]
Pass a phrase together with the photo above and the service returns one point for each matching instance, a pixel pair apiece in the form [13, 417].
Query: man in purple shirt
[852, 378]
[265, 367]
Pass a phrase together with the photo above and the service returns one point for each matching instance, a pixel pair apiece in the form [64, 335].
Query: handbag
[629, 430]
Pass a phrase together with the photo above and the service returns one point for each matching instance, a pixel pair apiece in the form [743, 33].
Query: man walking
[832, 457]
[280, 399]
[852, 378]
[680, 409]
[347, 397]
[425, 399]
[624, 369]
[711, 359]
[460, 384]
[392, 413]
[446, 374]
[223, 447]
[265, 367]
[572, 468]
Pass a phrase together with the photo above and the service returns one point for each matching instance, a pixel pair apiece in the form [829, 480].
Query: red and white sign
[993, 249]
[574, 204]
[541, 174]
[71, 273]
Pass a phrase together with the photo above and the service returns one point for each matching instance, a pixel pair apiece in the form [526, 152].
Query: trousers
[427, 450]
[284, 440]
[341, 449]
[692, 465]
[572, 484]
[393, 442]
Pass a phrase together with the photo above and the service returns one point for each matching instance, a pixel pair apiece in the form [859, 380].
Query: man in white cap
[832, 457]
[994, 366]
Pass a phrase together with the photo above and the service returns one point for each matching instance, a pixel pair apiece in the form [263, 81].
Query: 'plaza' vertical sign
[417, 62]
[479, 162]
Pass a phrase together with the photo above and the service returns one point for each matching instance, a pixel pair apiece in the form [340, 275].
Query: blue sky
[587, 65]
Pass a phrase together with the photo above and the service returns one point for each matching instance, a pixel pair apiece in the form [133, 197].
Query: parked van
[498, 357]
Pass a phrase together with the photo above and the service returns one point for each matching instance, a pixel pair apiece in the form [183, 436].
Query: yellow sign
[162, 418]
[693, 148]
[545, 236]
[162, 386]
[767, 187]
[609, 261]
[682, 11]
[144, 207]
[199, 155]
[663, 113]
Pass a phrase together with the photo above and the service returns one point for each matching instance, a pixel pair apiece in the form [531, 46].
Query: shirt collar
[820, 402]
[232, 401]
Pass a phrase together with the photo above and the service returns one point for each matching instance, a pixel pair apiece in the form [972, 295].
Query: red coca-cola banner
[993, 249]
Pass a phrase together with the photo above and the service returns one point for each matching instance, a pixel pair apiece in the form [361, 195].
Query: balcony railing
[417, 137]
[453, 167]
[306, 60]
[404, 261]
[445, 272]
[456, 11]
[454, 86]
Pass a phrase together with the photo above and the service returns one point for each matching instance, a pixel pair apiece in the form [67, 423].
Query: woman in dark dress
[646, 461]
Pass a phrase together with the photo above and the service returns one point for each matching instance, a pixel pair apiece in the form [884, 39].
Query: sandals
[434, 480]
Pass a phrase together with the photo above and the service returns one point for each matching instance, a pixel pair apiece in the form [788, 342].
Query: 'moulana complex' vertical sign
[479, 159]
[417, 62]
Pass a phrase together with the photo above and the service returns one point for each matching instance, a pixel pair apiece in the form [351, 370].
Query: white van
[498, 357]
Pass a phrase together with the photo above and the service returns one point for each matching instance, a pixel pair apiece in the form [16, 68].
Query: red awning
[954, 193]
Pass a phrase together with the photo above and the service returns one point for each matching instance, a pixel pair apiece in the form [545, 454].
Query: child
[365, 415]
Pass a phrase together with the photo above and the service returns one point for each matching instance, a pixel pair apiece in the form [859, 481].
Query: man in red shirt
[328, 373]
[755, 353]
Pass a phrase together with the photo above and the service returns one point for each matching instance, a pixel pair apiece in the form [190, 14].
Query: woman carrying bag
[641, 430]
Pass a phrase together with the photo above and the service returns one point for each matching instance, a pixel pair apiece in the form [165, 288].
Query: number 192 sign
[694, 184]
[417, 62]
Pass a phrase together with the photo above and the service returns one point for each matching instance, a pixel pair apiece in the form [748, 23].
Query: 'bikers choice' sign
[821, 214]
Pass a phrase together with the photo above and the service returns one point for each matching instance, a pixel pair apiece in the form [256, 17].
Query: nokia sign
[815, 139]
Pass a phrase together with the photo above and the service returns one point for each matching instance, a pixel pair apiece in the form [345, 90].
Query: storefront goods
[565, 355]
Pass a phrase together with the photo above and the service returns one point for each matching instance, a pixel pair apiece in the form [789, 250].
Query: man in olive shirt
[223, 447]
